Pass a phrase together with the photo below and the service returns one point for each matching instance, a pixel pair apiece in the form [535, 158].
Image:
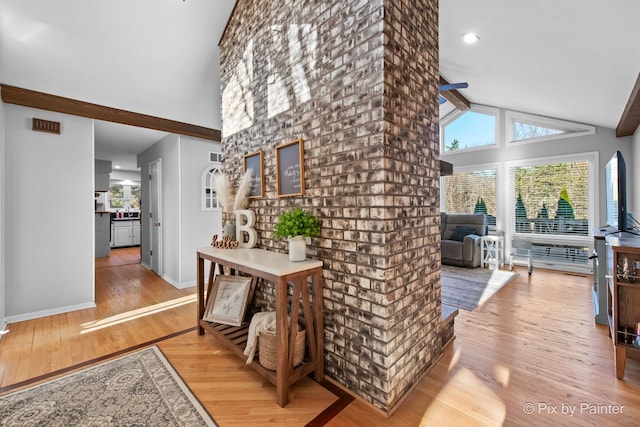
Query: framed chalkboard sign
[290, 169]
[255, 161]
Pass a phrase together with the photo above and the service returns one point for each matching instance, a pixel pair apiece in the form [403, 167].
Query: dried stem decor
[226, 197]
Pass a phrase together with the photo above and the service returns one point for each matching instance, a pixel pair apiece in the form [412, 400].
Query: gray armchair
[460, 239]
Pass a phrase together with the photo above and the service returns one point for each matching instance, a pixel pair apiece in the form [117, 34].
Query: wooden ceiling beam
[455, 97]
[446, 168]
[631, 115]
[45, 101]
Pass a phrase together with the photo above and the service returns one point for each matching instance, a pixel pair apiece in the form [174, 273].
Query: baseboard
[3, 330]
[189, 284]
[169, 280]
[356, 396]
[398, 404]
[448, 343]
[178, 285]
[49, 312]
[404, 397]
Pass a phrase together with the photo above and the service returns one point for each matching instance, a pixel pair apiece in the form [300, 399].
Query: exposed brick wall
[357, 81]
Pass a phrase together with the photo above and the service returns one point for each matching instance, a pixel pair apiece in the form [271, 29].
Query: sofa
[460, 239]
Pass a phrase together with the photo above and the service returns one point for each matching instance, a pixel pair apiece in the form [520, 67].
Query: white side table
[492, 251]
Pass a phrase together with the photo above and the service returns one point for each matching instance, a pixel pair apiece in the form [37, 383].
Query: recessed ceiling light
[116, 167]
[470, 38]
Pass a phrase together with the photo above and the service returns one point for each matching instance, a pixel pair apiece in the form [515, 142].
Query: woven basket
[268, 353]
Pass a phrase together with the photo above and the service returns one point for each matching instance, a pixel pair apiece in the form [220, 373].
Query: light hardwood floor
[533, 342]
[120, 256]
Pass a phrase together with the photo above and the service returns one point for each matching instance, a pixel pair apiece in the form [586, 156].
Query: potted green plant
[296, 225]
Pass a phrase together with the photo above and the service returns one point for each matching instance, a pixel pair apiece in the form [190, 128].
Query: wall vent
[41, 125]
[215, 157]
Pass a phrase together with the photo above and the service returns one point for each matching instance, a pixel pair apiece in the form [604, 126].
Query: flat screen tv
[616, 192]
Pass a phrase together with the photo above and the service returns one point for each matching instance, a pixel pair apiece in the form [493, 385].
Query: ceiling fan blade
[454, 86]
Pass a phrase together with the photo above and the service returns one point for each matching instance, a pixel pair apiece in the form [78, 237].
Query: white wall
[120, 175]
[197, 226]
[184, 226]
[2, 239]
[49, 215]
[168, 150]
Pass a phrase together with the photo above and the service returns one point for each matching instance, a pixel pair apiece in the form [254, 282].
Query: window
[474, 128]
[527, 131]
[552, 205]
[123, 196]
[471, 192]
[209, 196]
[527, 127]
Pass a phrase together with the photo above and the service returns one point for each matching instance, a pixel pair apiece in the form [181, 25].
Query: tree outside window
[124, 196]
[471, 192]
[552, 198]
[473, 129]
[528, 131]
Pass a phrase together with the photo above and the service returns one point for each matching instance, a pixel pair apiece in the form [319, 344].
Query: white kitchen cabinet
[136, 232]
[123, 235]
[126, 233]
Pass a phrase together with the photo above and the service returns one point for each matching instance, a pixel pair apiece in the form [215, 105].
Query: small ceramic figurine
[626, 270]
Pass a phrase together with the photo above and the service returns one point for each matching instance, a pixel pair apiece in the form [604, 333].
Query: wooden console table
[275, 268]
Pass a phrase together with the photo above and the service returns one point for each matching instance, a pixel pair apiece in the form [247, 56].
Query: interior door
[155, 215]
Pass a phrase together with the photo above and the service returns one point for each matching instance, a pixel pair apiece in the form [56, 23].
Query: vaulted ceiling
[156, 57]
[571, 59]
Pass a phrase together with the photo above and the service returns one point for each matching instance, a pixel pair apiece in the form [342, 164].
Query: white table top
[491, 237]
[260, 259]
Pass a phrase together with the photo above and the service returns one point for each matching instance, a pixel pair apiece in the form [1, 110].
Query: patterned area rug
[467, 288]
[140, 389]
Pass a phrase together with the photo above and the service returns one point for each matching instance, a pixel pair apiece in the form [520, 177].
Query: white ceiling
[121, 143]
[156, 57]
[571, 59]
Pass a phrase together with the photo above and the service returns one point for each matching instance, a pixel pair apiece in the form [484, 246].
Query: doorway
[155, 215]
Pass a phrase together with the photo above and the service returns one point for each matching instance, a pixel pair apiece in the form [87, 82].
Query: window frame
[571, 129]
[126, 196]
[479, 168]
[592, 158]
[207, 184]
[456, 114]
[215, 157]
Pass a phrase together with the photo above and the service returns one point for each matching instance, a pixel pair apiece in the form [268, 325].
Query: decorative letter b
[245, 220]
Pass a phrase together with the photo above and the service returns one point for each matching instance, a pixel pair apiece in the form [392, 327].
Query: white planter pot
[297, 249]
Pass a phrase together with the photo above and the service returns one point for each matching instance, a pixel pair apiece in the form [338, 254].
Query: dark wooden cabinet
[623, 302]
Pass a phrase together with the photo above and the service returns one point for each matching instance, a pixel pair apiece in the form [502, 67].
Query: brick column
[358, 82]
